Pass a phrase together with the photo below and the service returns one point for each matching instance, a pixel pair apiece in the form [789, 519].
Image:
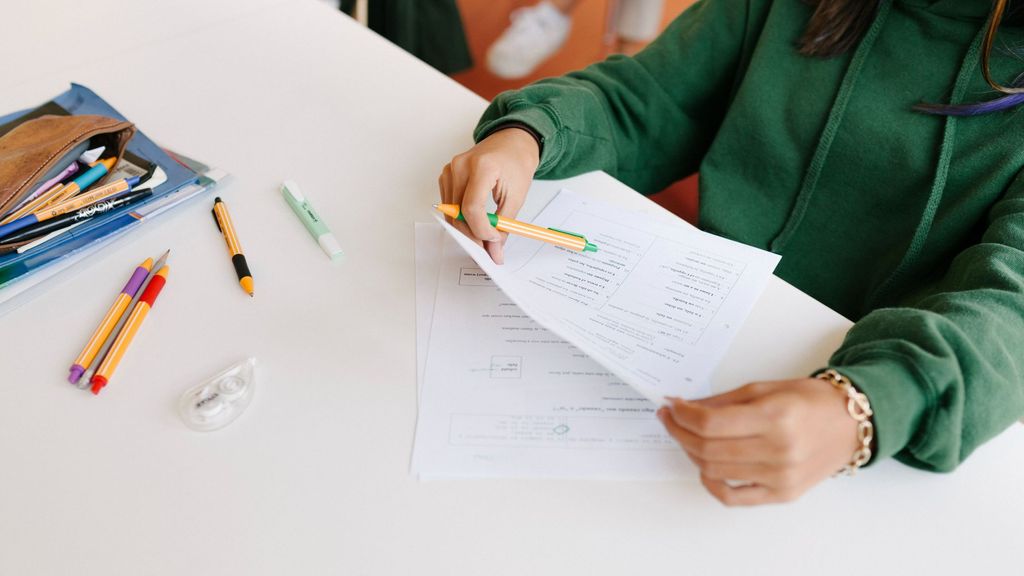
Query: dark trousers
[431, 30]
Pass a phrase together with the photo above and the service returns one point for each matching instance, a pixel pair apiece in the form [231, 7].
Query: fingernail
[494, 250]
[662, 413]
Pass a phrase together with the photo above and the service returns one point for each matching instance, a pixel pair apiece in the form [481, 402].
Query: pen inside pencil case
[36, 148]
[77, 164]
[126, 199]
[69, 159]
[66, 227]
[101, 143]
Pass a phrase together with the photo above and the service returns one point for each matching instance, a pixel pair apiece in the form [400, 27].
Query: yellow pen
[69, 205]
[223, 220]
[99, 169]
[59, 192]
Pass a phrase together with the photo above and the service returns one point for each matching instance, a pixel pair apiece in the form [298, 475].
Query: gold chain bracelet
[859, 407]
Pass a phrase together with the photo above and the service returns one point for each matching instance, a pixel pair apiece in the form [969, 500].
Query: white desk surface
[314, 479]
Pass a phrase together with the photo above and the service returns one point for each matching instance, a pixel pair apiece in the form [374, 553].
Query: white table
[314, 479]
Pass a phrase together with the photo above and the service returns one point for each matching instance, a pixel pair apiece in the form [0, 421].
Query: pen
[69, 206]
[101, 207]
[311, 220]
[554, 236]
[88, 178]
[58, 192]
[110, 320]
[48, 185]
[91, 368]
[131, 328]
[223, 220]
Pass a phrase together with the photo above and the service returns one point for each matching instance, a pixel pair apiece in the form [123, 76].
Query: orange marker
[561, 238]
[127, 334]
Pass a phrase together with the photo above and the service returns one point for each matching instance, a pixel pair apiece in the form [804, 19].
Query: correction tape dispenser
[220, 400]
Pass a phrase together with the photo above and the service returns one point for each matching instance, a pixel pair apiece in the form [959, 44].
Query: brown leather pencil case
[37, 149]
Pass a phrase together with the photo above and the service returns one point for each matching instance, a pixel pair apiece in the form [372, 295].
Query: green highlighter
[311, 220]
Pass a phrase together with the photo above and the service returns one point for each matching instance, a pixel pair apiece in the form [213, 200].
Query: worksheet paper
[429, 243]
[501, 396]
[657, 305]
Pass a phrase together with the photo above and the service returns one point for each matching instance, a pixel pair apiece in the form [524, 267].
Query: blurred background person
[537, 32]
[469, 38]
[431, 30]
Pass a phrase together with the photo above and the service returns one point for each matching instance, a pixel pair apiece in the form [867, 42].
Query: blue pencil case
[138, 153]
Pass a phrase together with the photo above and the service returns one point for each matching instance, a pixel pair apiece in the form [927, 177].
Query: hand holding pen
[500, 166]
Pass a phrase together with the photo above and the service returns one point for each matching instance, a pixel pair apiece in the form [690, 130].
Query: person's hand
[500, 166]
[778, 438]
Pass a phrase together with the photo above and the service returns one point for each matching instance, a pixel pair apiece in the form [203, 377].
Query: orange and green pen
[569, 240]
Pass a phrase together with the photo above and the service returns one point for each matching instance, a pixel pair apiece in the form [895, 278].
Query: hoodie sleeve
[945, 373]
[646, 120]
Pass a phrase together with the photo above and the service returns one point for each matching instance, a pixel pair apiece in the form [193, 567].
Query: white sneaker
[536, 34]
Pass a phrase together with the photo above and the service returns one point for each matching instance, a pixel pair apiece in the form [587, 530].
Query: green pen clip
[493, 218]
[588, 247]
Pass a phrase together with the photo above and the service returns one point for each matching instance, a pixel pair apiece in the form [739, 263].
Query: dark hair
[836, 26]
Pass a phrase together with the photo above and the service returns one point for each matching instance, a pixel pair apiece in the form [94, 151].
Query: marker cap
[329, 244]
[292, 189]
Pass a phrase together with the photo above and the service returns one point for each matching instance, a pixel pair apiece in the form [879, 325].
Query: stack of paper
[557, 372]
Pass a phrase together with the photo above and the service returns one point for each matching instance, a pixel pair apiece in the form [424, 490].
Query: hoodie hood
[959, 9]
[968, 66]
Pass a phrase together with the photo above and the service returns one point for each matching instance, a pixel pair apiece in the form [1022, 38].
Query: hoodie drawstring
[835, 117]
[924, 225]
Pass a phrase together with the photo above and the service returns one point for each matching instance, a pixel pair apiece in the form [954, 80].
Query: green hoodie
[910, 224]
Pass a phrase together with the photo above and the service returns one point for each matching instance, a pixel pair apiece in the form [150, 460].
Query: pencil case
[36, 150]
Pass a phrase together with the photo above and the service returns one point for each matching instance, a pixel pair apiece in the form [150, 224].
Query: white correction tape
[218, 401]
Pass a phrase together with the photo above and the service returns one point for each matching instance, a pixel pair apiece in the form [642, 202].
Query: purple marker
[110, 320]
